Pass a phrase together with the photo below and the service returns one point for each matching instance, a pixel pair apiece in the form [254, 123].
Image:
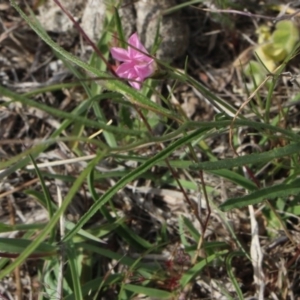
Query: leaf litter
[148, 205]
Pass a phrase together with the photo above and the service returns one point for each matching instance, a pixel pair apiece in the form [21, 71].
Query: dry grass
[151, 205]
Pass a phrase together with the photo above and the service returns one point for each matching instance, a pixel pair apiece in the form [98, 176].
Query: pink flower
[137, 64]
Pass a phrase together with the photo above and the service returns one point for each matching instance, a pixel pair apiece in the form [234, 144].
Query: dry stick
[12, 215]
[174, 173]
[113, 72]
[251, 175]
[249, 14]
[60, 277]
[203, 225]
[293, 259]
[19, 188]
[198, 210]
[88, 40]
[78, 27]
[7, 32]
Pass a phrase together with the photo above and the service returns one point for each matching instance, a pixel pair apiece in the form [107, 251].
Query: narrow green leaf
[111, 83]
[119, 28]
[195, 270]
[122, 230]
[21, 227]
[94, 284]
[151, 292]
[18, 245]
[229, 268]
[70, 196]
[47, 196]
[130, 177]
[191, 229]
[65, 115]
[248, 159]
[280, 190]
[72, 262]
[235, 178]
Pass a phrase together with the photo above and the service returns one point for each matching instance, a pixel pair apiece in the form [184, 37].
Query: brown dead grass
[27, 63]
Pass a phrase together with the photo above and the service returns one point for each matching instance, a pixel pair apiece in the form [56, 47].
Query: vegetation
[143, 193]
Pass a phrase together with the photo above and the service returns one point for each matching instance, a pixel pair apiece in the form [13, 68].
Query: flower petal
[126, 70]
[120, 54]
[145, 70]
[135, 84]
[137, 51]
[136, 43]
